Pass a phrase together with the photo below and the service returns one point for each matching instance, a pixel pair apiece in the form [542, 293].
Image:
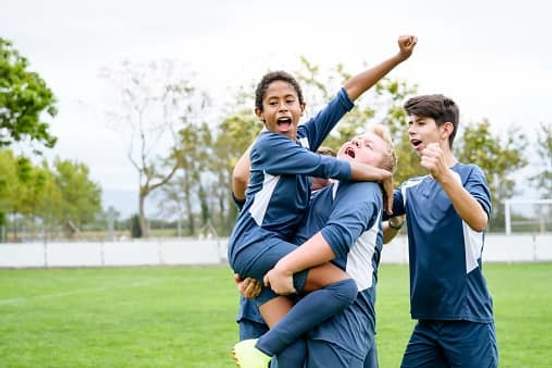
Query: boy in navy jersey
[446, 212]
[276, 200]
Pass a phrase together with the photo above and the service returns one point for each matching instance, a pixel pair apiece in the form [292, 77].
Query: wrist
[395, 225]
[445, 177]
[281, 267]
[401, 57]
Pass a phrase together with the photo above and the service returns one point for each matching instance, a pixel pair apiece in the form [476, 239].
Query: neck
[449, 156]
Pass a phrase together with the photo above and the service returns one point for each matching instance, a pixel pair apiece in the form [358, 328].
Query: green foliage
[394, 93]
[55, 196]
[23, 98]
[543, 181]
[498, 159]
[81, 197]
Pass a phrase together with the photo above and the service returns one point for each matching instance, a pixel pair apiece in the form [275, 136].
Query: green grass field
[184, 316]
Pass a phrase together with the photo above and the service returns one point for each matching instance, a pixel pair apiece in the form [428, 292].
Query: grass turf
[183, 316]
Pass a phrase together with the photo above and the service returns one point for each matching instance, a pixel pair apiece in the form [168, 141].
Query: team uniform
[278, 192]
[348, 215]
[448, 293]
[277, 198]
[349, 218]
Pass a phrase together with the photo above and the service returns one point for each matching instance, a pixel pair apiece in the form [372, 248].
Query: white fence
[498, 248]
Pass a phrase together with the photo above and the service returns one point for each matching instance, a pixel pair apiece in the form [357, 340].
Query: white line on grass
[81, 291]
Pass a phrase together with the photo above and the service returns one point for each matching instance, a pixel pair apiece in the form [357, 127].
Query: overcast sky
[493, 57]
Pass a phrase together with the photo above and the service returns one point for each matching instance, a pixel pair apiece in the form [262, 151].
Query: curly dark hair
[268, 78]
[438, 107]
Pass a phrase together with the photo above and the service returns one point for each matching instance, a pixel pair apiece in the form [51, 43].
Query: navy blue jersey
[348, 215]
[446, 279]
[278, 192]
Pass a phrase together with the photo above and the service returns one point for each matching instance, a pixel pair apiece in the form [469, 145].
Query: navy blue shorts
[251, 329]
[257, 259]
[371, 360]
[451, 344]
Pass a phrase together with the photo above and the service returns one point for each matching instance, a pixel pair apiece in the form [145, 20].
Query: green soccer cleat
[247, 355]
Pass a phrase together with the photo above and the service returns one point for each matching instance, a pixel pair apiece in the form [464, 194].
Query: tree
[155, 100]
[543, 180]
[497, 158]
[24, 96]
[80, 196]
[234, 135]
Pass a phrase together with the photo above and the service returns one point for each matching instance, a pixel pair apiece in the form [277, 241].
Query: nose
[282, 106]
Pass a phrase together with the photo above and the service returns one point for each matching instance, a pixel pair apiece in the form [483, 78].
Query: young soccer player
[277, 197]
[447, 212]
[348, 215]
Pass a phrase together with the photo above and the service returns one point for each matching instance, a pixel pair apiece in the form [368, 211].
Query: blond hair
[390, 160]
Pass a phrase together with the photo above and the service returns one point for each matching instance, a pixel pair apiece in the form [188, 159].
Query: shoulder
[360, 191]
[267, 141]
[412, 182]
[469, 170]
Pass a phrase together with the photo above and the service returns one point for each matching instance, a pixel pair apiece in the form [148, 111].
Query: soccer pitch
[184, 316]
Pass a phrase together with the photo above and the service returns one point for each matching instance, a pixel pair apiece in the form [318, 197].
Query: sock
[308, 313]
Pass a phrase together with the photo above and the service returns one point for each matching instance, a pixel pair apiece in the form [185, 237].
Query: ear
[259, 114]
[447, 129]
[303, 106]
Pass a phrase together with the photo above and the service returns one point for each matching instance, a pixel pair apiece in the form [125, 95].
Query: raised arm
[360, 83]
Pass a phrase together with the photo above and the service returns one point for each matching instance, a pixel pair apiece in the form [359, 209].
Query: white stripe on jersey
[473, 241]
[359, 260]
[473, 245]
[304, 142]
[262, 198]
[408, 184]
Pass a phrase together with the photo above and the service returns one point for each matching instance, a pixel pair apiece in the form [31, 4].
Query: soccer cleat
[247, 355]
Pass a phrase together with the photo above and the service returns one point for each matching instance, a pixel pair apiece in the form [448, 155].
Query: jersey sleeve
[318, 128]
[476, 185]
[278, 155]
[355, 211]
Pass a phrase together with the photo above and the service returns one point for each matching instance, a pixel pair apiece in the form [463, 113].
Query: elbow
[240, 177]
[479, 224]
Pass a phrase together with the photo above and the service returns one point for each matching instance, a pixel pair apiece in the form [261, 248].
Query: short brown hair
[438, 107]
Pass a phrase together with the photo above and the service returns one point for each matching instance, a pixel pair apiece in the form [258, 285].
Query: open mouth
[349, 151]
[416, 143]
[284, 123]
